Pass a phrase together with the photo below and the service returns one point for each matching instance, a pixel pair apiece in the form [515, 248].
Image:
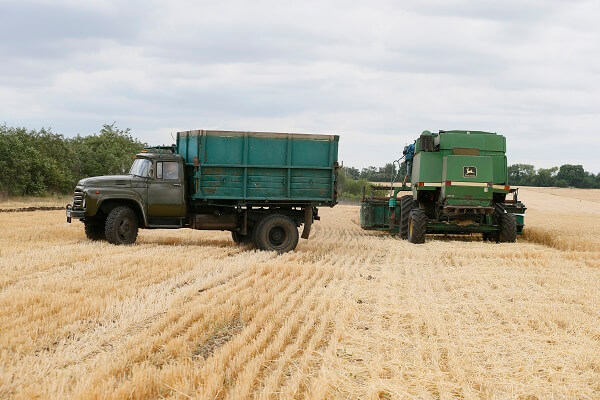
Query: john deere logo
[469, 172]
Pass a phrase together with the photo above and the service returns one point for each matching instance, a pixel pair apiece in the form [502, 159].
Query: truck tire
[417, 226]
[121, 226]
[276, 232]
[94, 230]
[508, 228]
[241, 239]
[406, 204]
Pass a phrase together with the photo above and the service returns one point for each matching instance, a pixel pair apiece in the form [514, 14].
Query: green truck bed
[228, 167]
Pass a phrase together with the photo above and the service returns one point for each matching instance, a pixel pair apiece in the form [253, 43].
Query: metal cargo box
[260, 167]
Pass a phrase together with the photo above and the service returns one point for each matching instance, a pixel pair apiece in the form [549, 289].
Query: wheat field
[351, 314]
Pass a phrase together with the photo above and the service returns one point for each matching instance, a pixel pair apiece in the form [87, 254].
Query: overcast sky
[377, 73]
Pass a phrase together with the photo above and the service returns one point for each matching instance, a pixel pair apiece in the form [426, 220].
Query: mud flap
[308, 220]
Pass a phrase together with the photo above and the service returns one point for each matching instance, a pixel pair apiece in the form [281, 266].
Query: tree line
[567, 175]
[38, 163]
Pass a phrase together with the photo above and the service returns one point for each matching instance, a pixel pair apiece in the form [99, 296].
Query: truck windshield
[140, 167]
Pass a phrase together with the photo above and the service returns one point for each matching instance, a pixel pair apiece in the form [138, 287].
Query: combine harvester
[459, 186]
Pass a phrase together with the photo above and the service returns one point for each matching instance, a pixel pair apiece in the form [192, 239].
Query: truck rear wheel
[508, 228]
[94, 230]
[241, 239]
[406, 204]
[417, 226]
[276, 232]
[121, 226]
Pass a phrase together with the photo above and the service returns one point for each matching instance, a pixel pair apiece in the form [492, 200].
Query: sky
[377, 73]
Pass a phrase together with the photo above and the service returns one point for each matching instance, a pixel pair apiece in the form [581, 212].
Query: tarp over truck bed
[260, 167]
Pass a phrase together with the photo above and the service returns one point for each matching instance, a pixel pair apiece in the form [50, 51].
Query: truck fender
[308, 220]
[127, 199]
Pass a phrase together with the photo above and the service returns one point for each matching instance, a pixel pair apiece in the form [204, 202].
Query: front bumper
[79, 214]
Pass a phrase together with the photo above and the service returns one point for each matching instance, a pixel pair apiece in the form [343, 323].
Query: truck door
[165, 192]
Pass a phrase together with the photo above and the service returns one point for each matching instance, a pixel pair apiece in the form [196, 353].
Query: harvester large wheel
[94, 230]
[417, 226]
[490, 236]
[406, 204]
[508, 228]
[276, 232]
[121, 226]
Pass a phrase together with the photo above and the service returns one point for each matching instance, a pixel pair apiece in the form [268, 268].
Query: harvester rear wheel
[508, 228]
[490, 236]
[406, 204]
[417, 226]
[276, 232]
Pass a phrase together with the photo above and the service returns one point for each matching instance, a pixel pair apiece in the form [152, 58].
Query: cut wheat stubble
[349, 314]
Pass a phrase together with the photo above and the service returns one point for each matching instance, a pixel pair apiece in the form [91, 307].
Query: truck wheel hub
[124, 228]
[276, 236]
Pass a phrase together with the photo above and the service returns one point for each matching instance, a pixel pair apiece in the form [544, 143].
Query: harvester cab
[458, 184]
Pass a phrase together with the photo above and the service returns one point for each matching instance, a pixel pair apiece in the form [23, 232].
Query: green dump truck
[260, 186]
[458, 185]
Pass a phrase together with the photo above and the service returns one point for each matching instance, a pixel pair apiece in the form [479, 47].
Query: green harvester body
[459, 182]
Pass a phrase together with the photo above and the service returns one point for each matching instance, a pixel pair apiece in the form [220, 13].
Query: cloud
[376, 73]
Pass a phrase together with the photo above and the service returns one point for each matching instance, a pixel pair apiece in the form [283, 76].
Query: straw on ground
[349, 314]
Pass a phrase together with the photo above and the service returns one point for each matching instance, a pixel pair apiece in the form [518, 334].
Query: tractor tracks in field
[28, 209]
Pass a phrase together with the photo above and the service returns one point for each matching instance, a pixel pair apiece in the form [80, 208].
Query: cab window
[140, 167]
[167, 170]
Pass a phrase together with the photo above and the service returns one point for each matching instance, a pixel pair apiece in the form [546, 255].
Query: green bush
[37, 163]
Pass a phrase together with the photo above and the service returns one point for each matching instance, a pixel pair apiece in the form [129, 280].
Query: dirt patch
[221, 336]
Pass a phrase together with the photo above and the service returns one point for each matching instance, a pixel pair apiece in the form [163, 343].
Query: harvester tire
[238, 238]
[490, 236]
[508, 228]
[276, 232]
[121, 226]
[94, 230]
[417, 226]
[406, 204]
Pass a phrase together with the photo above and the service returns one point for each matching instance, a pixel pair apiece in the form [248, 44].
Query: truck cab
[161, 188]
[151, 195]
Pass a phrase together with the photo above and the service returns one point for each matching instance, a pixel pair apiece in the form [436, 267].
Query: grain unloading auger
[458, 184]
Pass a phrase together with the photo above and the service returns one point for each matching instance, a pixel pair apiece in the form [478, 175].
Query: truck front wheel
[121, 226]
[417, 226]
[276, 232]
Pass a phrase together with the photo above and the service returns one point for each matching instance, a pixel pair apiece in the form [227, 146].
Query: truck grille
[78, 199]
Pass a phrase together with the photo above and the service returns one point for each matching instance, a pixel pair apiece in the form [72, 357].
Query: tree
[573, 175]
[109, 152]
[35, 163]
[521, 174]
[351, 172]
[545, 177]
